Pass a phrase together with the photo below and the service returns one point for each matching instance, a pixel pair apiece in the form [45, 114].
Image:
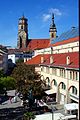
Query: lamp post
[52, 111]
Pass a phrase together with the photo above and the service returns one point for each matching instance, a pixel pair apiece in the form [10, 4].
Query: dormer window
[51, 50]
[67, 60]
[51, 59]
[42, 59]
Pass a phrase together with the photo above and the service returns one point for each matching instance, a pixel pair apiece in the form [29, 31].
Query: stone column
[58, 95]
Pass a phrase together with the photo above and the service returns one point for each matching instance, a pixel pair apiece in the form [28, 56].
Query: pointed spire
[53, 16]
[23, 15]
[53, 26]
[52, 19]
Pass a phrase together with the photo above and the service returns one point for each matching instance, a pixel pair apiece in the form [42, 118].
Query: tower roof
[23, 18]
[52, 25]
[52, 15]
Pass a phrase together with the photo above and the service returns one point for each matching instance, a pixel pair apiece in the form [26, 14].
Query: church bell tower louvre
[52, 29]
[22, 33]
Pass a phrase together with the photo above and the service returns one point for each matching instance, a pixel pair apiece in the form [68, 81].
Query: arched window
[74, 90]
[63, 86]
[55, 83]
[52, 35]
[21, 27]
[48, 82]
[20, 42]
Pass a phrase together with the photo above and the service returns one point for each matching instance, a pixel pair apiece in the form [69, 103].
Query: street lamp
[52, 111]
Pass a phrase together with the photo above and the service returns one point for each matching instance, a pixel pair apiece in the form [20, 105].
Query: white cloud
[46, 17]
[55, 11]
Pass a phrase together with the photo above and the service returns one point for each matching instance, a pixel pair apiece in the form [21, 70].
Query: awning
[71, 106]
[51, 91]
[11, 92]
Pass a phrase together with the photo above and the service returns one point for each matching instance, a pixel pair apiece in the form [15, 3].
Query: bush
[29, 116]
[7, 82]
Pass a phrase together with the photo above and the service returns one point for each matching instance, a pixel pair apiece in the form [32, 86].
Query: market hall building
[59, 66]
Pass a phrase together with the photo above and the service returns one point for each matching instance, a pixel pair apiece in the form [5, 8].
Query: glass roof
[73, 32]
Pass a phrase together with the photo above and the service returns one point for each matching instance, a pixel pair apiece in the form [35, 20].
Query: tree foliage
[29, 116]
[27, 79]
[24, 72]
[2, 73]
[7, 82]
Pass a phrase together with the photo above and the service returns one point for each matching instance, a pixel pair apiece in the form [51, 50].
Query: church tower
[22, 33]
[52, 29]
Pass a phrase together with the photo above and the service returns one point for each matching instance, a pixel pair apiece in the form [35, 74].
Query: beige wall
[69, 47]
[66, 80]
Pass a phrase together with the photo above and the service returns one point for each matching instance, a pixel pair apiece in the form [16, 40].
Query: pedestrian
[10, 99]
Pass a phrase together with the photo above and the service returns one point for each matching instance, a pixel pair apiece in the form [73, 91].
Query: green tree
[27, 79]
[22, 73]
[1, 87]
[7, 82]
[1, 73]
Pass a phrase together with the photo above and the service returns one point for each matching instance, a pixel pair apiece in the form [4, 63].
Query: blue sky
[38, 13]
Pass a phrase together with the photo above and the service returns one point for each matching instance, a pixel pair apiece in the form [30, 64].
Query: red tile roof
[35, 60]
[66, 41]
[34, 44]
[59, 60]
[39, 43]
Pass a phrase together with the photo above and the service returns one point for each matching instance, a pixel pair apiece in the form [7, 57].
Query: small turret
[52, 29]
